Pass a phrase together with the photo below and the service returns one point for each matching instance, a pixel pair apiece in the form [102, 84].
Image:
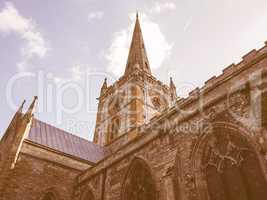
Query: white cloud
[158, 49]
[12, 22]
[160, 7]
[95, 15]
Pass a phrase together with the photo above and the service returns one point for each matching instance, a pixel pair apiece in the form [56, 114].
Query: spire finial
[105, 82]
[172, 83]
[31, 108]
[104, 86]
[21, 106]
[137, 15]
[173, 89]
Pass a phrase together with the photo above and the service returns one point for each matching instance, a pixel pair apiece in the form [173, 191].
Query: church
[149, 144]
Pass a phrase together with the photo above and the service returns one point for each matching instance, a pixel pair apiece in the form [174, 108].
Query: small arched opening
[139, 183]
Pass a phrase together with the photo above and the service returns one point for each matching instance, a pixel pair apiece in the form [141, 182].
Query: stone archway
[139, 183]
[228, 166]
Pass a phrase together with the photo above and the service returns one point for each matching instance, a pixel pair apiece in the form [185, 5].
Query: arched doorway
[230, 166]
[139, 183]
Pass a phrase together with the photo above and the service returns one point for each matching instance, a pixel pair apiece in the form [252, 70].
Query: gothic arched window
[114, 128]
[139, 184]
[115, 103]
[231, 167]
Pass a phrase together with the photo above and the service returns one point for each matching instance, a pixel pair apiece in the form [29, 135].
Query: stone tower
[134, 99]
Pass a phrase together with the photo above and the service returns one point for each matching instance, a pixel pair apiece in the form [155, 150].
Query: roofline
[60, 129]
[59, 152]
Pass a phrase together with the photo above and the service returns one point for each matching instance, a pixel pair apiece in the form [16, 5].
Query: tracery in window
[232, 169]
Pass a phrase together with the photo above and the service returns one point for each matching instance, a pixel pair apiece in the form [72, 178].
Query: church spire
[137, 55]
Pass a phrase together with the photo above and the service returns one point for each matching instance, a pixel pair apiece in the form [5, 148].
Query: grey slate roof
[60, 140]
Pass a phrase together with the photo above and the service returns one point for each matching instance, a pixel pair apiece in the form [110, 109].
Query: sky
[61, 51]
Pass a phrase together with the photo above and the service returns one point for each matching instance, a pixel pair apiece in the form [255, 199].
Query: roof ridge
[65, 142]
[60, 129]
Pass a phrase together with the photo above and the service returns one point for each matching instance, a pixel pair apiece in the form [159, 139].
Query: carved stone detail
[217, 156]
[237, 103]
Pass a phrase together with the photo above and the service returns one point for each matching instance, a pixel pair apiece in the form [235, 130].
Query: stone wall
[171, 158]
[159, 155]
[32, 178]
[172, 144]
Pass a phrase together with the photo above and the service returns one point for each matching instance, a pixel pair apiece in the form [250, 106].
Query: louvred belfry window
[232, 168]
[139, 184]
